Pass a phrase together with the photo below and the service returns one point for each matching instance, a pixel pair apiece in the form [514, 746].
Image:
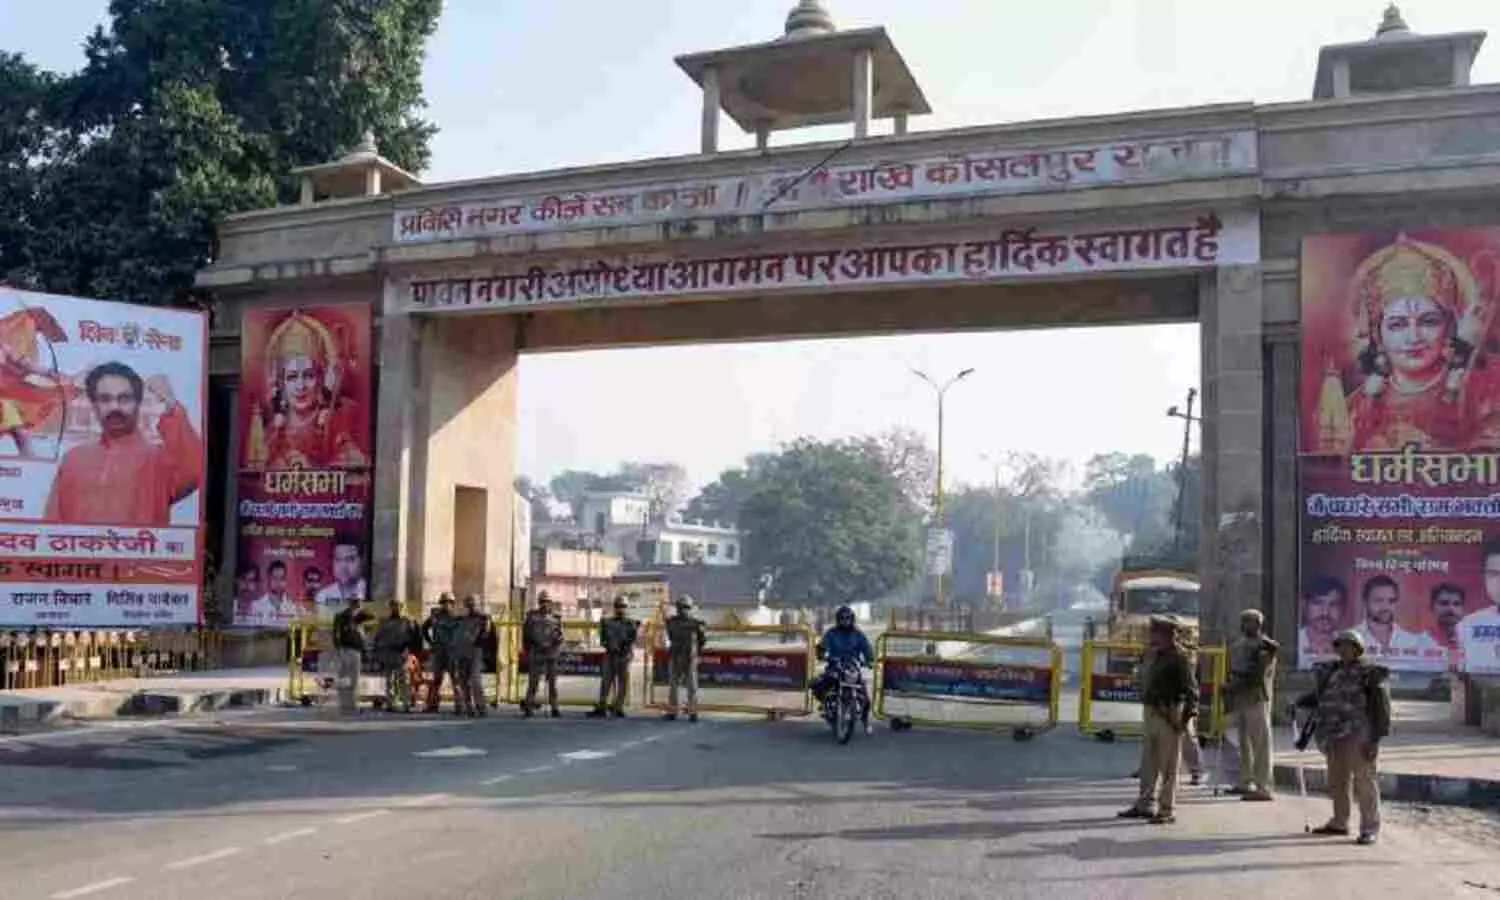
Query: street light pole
[999, 509]
[937, 500]
[1188, 419]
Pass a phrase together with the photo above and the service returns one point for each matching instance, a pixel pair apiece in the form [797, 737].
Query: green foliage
[187, 110]
[831, 523]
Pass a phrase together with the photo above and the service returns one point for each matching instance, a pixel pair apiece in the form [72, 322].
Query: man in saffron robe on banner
[124, 478]
[307, 422]
[1420, 324]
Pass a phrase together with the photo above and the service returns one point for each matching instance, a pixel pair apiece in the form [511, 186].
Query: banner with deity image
[305, 460]
[1400, 447]
[101, 462]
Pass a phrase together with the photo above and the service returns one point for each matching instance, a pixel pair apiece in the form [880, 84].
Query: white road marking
[451, 753]
[423, 800]
[93, 888]
[498, 779]
[582, 755]
[652, 738]
[281, 767]
[362, 817]
[536, 770]
[191, 861]
[285, 836]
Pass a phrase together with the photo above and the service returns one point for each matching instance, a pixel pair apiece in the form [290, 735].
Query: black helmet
[844, 616]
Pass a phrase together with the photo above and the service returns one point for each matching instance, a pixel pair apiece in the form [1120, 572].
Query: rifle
[1307, 731]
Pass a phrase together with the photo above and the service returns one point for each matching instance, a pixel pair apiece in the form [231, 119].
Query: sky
[526, 85]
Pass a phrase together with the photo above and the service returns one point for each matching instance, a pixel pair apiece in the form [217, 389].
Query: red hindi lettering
[411, 223]
[946, 172]
[853, 182]
[574, 207]
[547, 209]
[1084, 160]
[894, 176]
[659, 200]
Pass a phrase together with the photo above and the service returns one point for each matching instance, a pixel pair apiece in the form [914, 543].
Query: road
[296, 804]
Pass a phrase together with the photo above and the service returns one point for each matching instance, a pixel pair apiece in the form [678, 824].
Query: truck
[1145, 588]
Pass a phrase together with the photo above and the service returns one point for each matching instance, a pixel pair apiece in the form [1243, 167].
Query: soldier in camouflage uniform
[543, 636]
[1170, 696]
[685, 640]
[1352, 705]
[617, 636]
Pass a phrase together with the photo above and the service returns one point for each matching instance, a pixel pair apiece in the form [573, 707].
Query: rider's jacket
[839, 644]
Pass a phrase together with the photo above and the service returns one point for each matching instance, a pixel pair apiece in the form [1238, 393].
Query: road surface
[296, 804]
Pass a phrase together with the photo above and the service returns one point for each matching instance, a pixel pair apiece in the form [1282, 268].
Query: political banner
[781, 670]
[101, 462]
[1399, 459]
[961, 680]
[305, 460]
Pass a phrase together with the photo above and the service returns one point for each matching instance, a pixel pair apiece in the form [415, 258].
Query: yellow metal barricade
[301, 658]
[742, 659]
[1118, 686]
[580, 666]
[966, 678]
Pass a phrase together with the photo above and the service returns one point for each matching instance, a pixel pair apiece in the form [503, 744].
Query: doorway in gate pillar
[1400, 442]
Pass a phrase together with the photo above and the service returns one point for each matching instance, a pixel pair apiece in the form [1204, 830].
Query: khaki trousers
[541, 668]
[1161, 755]
[1349, 771]
[1252, 719]
[348, 680]
[615, 683]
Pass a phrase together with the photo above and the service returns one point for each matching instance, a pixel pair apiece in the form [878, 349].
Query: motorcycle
[844, 701]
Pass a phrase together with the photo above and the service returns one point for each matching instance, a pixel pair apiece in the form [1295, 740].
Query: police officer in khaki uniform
[543, 636]
[1252, 666]
[1170, 698]
[685, 640]
[617, 636]
[1351, 706]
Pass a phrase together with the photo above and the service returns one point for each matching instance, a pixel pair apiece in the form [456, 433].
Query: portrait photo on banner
[305, 388]
[1399, 453]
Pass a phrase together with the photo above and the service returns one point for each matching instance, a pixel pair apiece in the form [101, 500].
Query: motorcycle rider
[844, 643]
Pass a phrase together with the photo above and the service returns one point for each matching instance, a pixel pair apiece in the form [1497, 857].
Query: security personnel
[685, 640]
[543, 636]
[1252, 666]
[1351, 703]
[437, 632]
[1170, 697]
[617, 636]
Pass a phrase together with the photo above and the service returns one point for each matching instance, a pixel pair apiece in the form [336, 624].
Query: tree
[1134, 496]
[538, 497]
[663, 483]
[720, 500]
[189, 109]
[831, 523]
[25, 127]
[912, 462]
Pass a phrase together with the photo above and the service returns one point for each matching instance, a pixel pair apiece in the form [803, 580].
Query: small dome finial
[807, 19]
[1391, 24]
[366, 145]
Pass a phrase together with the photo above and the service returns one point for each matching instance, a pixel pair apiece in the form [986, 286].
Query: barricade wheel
[1023, 734]
[900, 723]
[305, 700]
[1107, 736]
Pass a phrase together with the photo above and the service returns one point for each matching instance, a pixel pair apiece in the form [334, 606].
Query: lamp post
[1188, 419]
[941, 389]
[995, 564]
